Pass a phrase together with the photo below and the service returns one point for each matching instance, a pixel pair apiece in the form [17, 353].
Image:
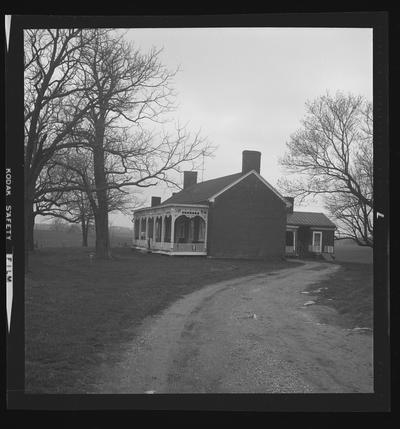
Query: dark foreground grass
[350, 292]
[80, 314]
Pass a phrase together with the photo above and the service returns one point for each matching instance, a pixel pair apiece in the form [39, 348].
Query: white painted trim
[202, 206]
[268, 185]
[278, 194]
[184, 205]
[167, 252]
[290, 227]
[187, 253]
[313, 235]
[323, 228]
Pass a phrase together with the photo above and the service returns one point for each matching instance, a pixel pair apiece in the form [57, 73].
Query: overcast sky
[246, 88]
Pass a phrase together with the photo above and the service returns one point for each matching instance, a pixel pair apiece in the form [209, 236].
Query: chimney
[155, 201]
[289, 207]
[251, 160]
[189, 178]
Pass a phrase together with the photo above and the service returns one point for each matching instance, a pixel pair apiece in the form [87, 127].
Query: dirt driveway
[248, 335]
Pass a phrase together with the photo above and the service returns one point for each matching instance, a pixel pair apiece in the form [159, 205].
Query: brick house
[236, 216]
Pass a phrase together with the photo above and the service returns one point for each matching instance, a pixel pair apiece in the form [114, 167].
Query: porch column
[162, 229]
[147, 228]
[205, 231]
[154, 228]
[172, 231]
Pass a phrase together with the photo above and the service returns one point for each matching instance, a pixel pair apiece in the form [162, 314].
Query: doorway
[317, 241]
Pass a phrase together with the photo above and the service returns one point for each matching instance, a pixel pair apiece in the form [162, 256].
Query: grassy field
[350, 292]
[345, 250]
[353, 253]
[66, 238]
[80, 313]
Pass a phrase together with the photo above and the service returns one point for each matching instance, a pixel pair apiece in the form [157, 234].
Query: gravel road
[247, 335]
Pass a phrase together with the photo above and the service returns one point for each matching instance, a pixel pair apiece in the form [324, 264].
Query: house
[308, 233]
[236, 216]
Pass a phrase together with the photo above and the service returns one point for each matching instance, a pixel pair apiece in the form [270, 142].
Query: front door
[317, 241]
[290, 242]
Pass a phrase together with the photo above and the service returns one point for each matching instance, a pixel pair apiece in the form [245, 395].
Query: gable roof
[268, 185]
[309, 219]
[201, 192]
[211, 189]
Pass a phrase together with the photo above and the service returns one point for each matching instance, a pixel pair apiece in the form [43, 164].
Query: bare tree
[127, 89]
[332, 156]
[54, 104]
[89, 91]
[72, 173]
[73, 207]
[58, 225]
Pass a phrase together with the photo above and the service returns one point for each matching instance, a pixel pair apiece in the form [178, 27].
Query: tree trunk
[29, 237]
[29, 223]
[102, 236]
[85, 228]
[101, 215]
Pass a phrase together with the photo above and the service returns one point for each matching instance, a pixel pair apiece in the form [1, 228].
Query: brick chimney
[189, 178]
[290, 206]
[251, 160]
[155, 201]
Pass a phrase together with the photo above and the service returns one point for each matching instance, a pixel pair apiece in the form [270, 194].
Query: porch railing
[289, 250]
[165, 246]
[189, 247]
[139, 243]
[318, 249]
[160, 245]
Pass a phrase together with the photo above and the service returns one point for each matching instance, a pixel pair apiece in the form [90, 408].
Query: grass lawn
[350, 292]
[49, 238]
[80, 313]
[353, 253]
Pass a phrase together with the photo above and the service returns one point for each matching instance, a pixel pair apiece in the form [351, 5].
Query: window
[181, 230]
[167, 232]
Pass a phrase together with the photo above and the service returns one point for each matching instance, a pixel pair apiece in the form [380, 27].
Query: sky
[246, 88]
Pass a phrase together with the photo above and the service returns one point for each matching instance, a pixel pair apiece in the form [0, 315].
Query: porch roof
[309, 219]
[160, 207]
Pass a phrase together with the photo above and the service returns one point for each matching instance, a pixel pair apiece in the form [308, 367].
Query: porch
[308, 241]
[179, 229]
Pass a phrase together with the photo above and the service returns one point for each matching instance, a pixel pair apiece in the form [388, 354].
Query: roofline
[212, 198]
[172, 205]
[312, 226]
[298, 211]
